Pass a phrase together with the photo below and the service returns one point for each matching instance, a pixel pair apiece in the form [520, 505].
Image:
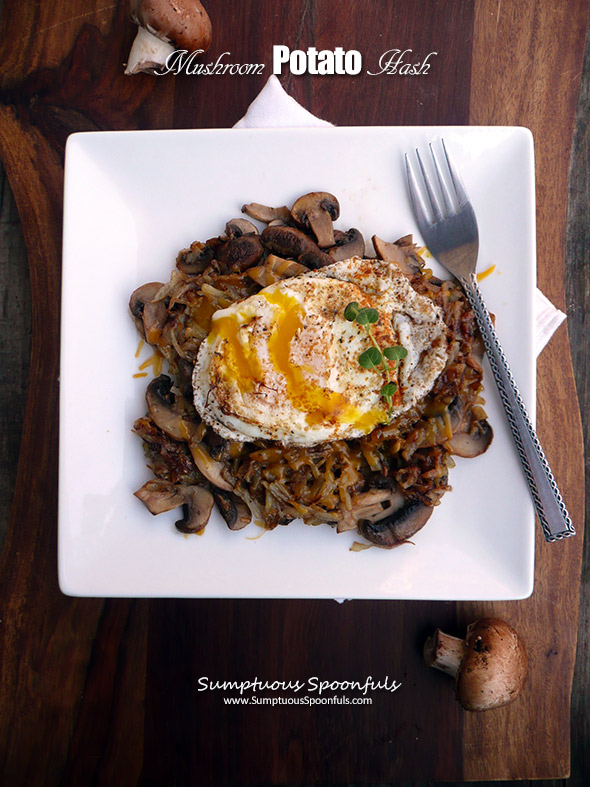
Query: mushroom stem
[444, 652]
[147, 53]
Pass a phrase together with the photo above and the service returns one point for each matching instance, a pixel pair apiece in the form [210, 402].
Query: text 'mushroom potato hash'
[306, 379]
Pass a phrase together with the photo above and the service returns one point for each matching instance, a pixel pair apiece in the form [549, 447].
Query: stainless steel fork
[449, 229]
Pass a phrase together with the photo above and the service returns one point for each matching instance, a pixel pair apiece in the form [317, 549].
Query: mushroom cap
[315, 202]
[348, 244]
[291, 242]
[494, 667]
[235, 228]
[400, 253]
[184, 23]
[398, 527]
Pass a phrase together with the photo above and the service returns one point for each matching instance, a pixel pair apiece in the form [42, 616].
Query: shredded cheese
[156, 360]
[486, 273]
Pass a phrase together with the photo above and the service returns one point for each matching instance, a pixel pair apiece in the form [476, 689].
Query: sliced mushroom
[169, 409]
[377, 504]
[371, 506]
[348, 244]
[235, 228]
[315, 259]
[211, 469]
[159, 496]
[316, 211]
[474, 442]
[265, 213]
[456, 410]
[141, 297]
[394, 252]
[291, 242]
[235, 512]
[240, 253]
[195, 259]
[287, 241]
[197, 509]
[397, 528]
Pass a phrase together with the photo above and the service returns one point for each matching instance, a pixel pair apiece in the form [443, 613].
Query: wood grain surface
[104, 692]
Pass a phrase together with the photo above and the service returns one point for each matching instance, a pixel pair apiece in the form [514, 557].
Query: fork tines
[446, 176]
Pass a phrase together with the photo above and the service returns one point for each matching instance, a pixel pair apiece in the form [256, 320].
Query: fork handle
[551, 510]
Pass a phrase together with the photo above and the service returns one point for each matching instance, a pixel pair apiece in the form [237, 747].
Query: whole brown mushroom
[166, 25]
[489, 665]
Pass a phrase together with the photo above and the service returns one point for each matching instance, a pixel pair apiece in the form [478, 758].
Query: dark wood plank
[578, 309]
[552, 35]
[105, 692]
[15, 344]
[295, 744]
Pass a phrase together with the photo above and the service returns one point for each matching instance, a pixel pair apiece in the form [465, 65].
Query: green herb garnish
[375, 357]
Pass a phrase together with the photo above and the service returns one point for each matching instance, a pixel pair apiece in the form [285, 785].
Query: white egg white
[283, 364]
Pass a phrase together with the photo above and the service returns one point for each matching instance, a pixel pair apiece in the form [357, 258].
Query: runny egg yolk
[318, 403]
[242, 363]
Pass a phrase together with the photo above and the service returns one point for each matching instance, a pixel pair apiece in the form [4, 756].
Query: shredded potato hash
[383, 485]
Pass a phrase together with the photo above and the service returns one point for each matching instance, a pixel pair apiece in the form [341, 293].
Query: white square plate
[132, 200]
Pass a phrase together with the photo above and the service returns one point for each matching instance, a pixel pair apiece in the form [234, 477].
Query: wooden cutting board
[104, 692]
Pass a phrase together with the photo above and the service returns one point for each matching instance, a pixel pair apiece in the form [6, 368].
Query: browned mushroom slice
[235, 228]
[169, 409]
[139, 298]
[197, 509]
[159, 496]
[315, 259]
[235, 512]
[291, 242]
[211, 469]
[348, 244]
[316, 211]
[397, 528]
[456, 411]
[372, 505]
[474, 442]
[195, 259]
[394, 252]
[240, 253]
[489, 665]
[275, 269]
[265, 213]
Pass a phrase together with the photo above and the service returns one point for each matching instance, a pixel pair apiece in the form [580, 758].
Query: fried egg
[284, 364]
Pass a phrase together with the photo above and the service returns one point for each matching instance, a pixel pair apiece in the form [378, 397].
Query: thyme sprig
[375, 357]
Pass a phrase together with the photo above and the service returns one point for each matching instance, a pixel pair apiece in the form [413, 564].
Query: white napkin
[274, 108]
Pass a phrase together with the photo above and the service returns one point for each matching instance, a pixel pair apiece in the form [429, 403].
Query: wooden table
[104, 691]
